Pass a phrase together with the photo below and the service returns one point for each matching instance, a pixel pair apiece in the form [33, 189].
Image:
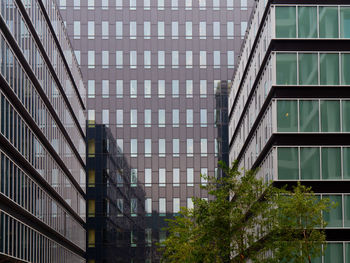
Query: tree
[247, 219]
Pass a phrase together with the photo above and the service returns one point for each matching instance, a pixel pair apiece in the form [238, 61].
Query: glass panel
[346, 115]
[330, 116]
[333, 253]
[306, 20]
[286, 65]
[308, 69]
[334, 216]
[310, 163]
[288, 168]
[347, 252]
[345, 65]
[347, 217]
[287, 116]
[309, 116]
[329, 67]
[331, 163]
[346, 163]
[328, 22]
[345, 22]
[285, 22]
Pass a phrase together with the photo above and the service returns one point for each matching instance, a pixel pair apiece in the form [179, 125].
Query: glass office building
[289, 105]
[42, 137]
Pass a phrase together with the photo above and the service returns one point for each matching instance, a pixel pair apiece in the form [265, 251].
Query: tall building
[157, 74]
[42, 137]
[290, 104]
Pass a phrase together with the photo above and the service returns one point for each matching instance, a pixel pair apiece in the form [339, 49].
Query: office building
[42, 137]
[290, 104]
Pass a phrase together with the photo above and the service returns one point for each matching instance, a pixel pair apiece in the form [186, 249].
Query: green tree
[246, 218]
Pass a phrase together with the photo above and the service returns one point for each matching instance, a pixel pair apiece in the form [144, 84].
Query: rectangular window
[119, 88]
[120, 206]
[286, 22]
[307, 15]
[189, 61]
[105, 29]
[345, 116]
[329, 69]
[91, 59]
[202, 30]
[189, 176]
[147, 88]
[91, 236]
[243, 4]
[91, 117]
[174, 5]
[203, 117]
[119, 4]
[133, 30]
[189, 203]
[76, 31]
[146, 30]
[105, 117]
[175, 30]
[148, 177]
[161, 148]
[105, 4]
[119, 30]
[189, 88]
[189, 118]
[334, 218]
[119, 118]
[161, 88]
[189, 147]
[76, 4]
[310, 163]
[148, 147]
[286, 65]
[105, 88]
[162, 176]
[287, 116]
[160, 30]
[161, 59]
[216, 30]
[202, 4]
[176, 177]
[244, 25]
[328, 23]
[176, 118]
[133, 118]
[188, 5]
[133, 88]
[203, 88]
[105, 59]
[133, 147]
[148, 118]
[216, 4]
[147, 4]
[132, 4]
[288, 163]
[308, 69]
[160, 4]
[133, 207]
[63, 4]
[204, 176]
[216, 55]
[175, 59]
[330, 116]
[204, 147]
[133, 59]
[91, 88]
[120, 145]
[331, 163]
[133, 177]
[91, 29]
[229, 4]
[161, 118]
[119, 59]
[203, 59]
[176, 205]
[230, 59]
[148, 206]
[230, 30]
[175, 88]
[162, 206]
[309, 115]
[91, 4]
[188, 30]
[345, 64]
[345, 22]
[147, 59]
[176, 147]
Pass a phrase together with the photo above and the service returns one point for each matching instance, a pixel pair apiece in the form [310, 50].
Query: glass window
[309, 114]
[189, 88]
[175, 59]
[91, 4]
[133, 147]
[160, 4]
[333, 253]
[288, 163]
[308, 69]
[148, 206]
[119, 88]
[229, 4]
[345, 65]
[91, 237]
[132, 4]
[230, 30]
[203, 59]
[161, 147]
[188, 5]
[133, 59]
[148, 118]
[285, 22]
[328, 17]
[329, 69]
[91, 59]
[160, 30]
[243, 28]
[147, 30]
[105, 29]
[189, 176]
[190, 147]
[216, 59]
[91, 29]
[105, 117]
[347, 213]
[344, 22]
[91, 117]
[204, 147]
[216, 30]
[133, 118]
[161, 59]
[105, 59]
[310, 163]
[105, 88]
[133, 177]
[133, 88]
[148, 147]
[189, 203]
[203, 88]
[331, 163]
[76, 29]
[176, 118]
[203, 117]
[147, 59]
[346, 162]
[202, 30]
[133, 207]
[335, 216]
[330, 116]
[175, 88]
[161, 88]
[147, 4]
[119, 59]
[148, 177]
[286, 69]
[174, 4]
[162, 206]
[216, 4]
[243, 4]
[118, 4]
[189, 118]
[147, 88]
[76, 4]
[204, 172]
[188, 59]
[119, 116]
[346, 115]
[120, 144]
[307, 15]
[176, 205]
[118, 29]
[91, 88]
[161, 118]
[188, 30]
[176, 177]
[175, 30]
[63, 4]
[287, 116]
[133, 30]
[104, 4]
[162, 177]
[176, 147]
[230, 59]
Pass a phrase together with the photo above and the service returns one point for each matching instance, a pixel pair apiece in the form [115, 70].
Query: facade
[289, 104]
[42, 137]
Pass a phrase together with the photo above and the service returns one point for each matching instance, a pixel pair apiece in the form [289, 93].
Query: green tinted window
[287, 116]
[285, 22]
[329, 67]
[331, 163]
[308, 69]
[288, 168]
[345, 64]
[335, 216]
[333, 253]
[330, 116]
[307, 17]
[345, 22]
[347, 214]
[286, 66]
[346, 163]
[346, 115]
[328, 22]
[310, 163]
[308, 116]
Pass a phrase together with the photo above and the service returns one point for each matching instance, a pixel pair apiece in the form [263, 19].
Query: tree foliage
[247, 219]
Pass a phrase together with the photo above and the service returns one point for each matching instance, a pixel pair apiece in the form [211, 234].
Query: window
[204, 172]
[203, 88]
[216, 4]
[310, 163]
[345, 22]
[307, 15]
[345, 116]
[287, 116]
[63, 4]
[189, 88]
[105, 88]
[133, 32]
[189, 147]
[162, 206]
[119, 88]
[119, 118]
[162, 177]
[119, 59]
[148, 206]
[176, 205]
[202, 4]
[216, 55]
[243, 28]
[132, 4]
[175, 88]
[147, 88]
[216, 30]
[288, 163]
[91, 59]
[105, 59]
[230, 59]
[203, 116]
[175, 59]
[331, 163]
[105, 29]
[189, 59]
[309, 115]
[189, 203]
[76, 4]
[133, 207]
[202, 30]
[91, 4]
[161, 59]
[147, 59]
[188, 30]
[161, 118]
[161, 148]
[229, 4]
[120, 205]
[91, 234]
[285, 22]
[91, 88]
[307, 65]
[120, 145]
[286, 65]
[328, 24]
[176, 147]
[104, 4]
[119, 30]
[119, 4]
[174, 5]
[204, 147]
[230, 30]
[335, 219]
[175, 30]
[77, 55]
[203, 59]
[176, 118]
[133, 59]
[91, 117]
[243, 4]
[161, 88]
[133, 118]
[133, 177]
[91, 178]
[91, 29]
[176, 177]
[188, 5]
[146, 30]
[148, 147]
[330, 116]
[133, 88]
[76, 29]
[160, 30]
[133, 147]
[345, 64]
[189, 118]
[147, 4]
[160, 4]
[148, 118]
[105, 117]
[189, 176]
[329, 69]
[148, 177]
